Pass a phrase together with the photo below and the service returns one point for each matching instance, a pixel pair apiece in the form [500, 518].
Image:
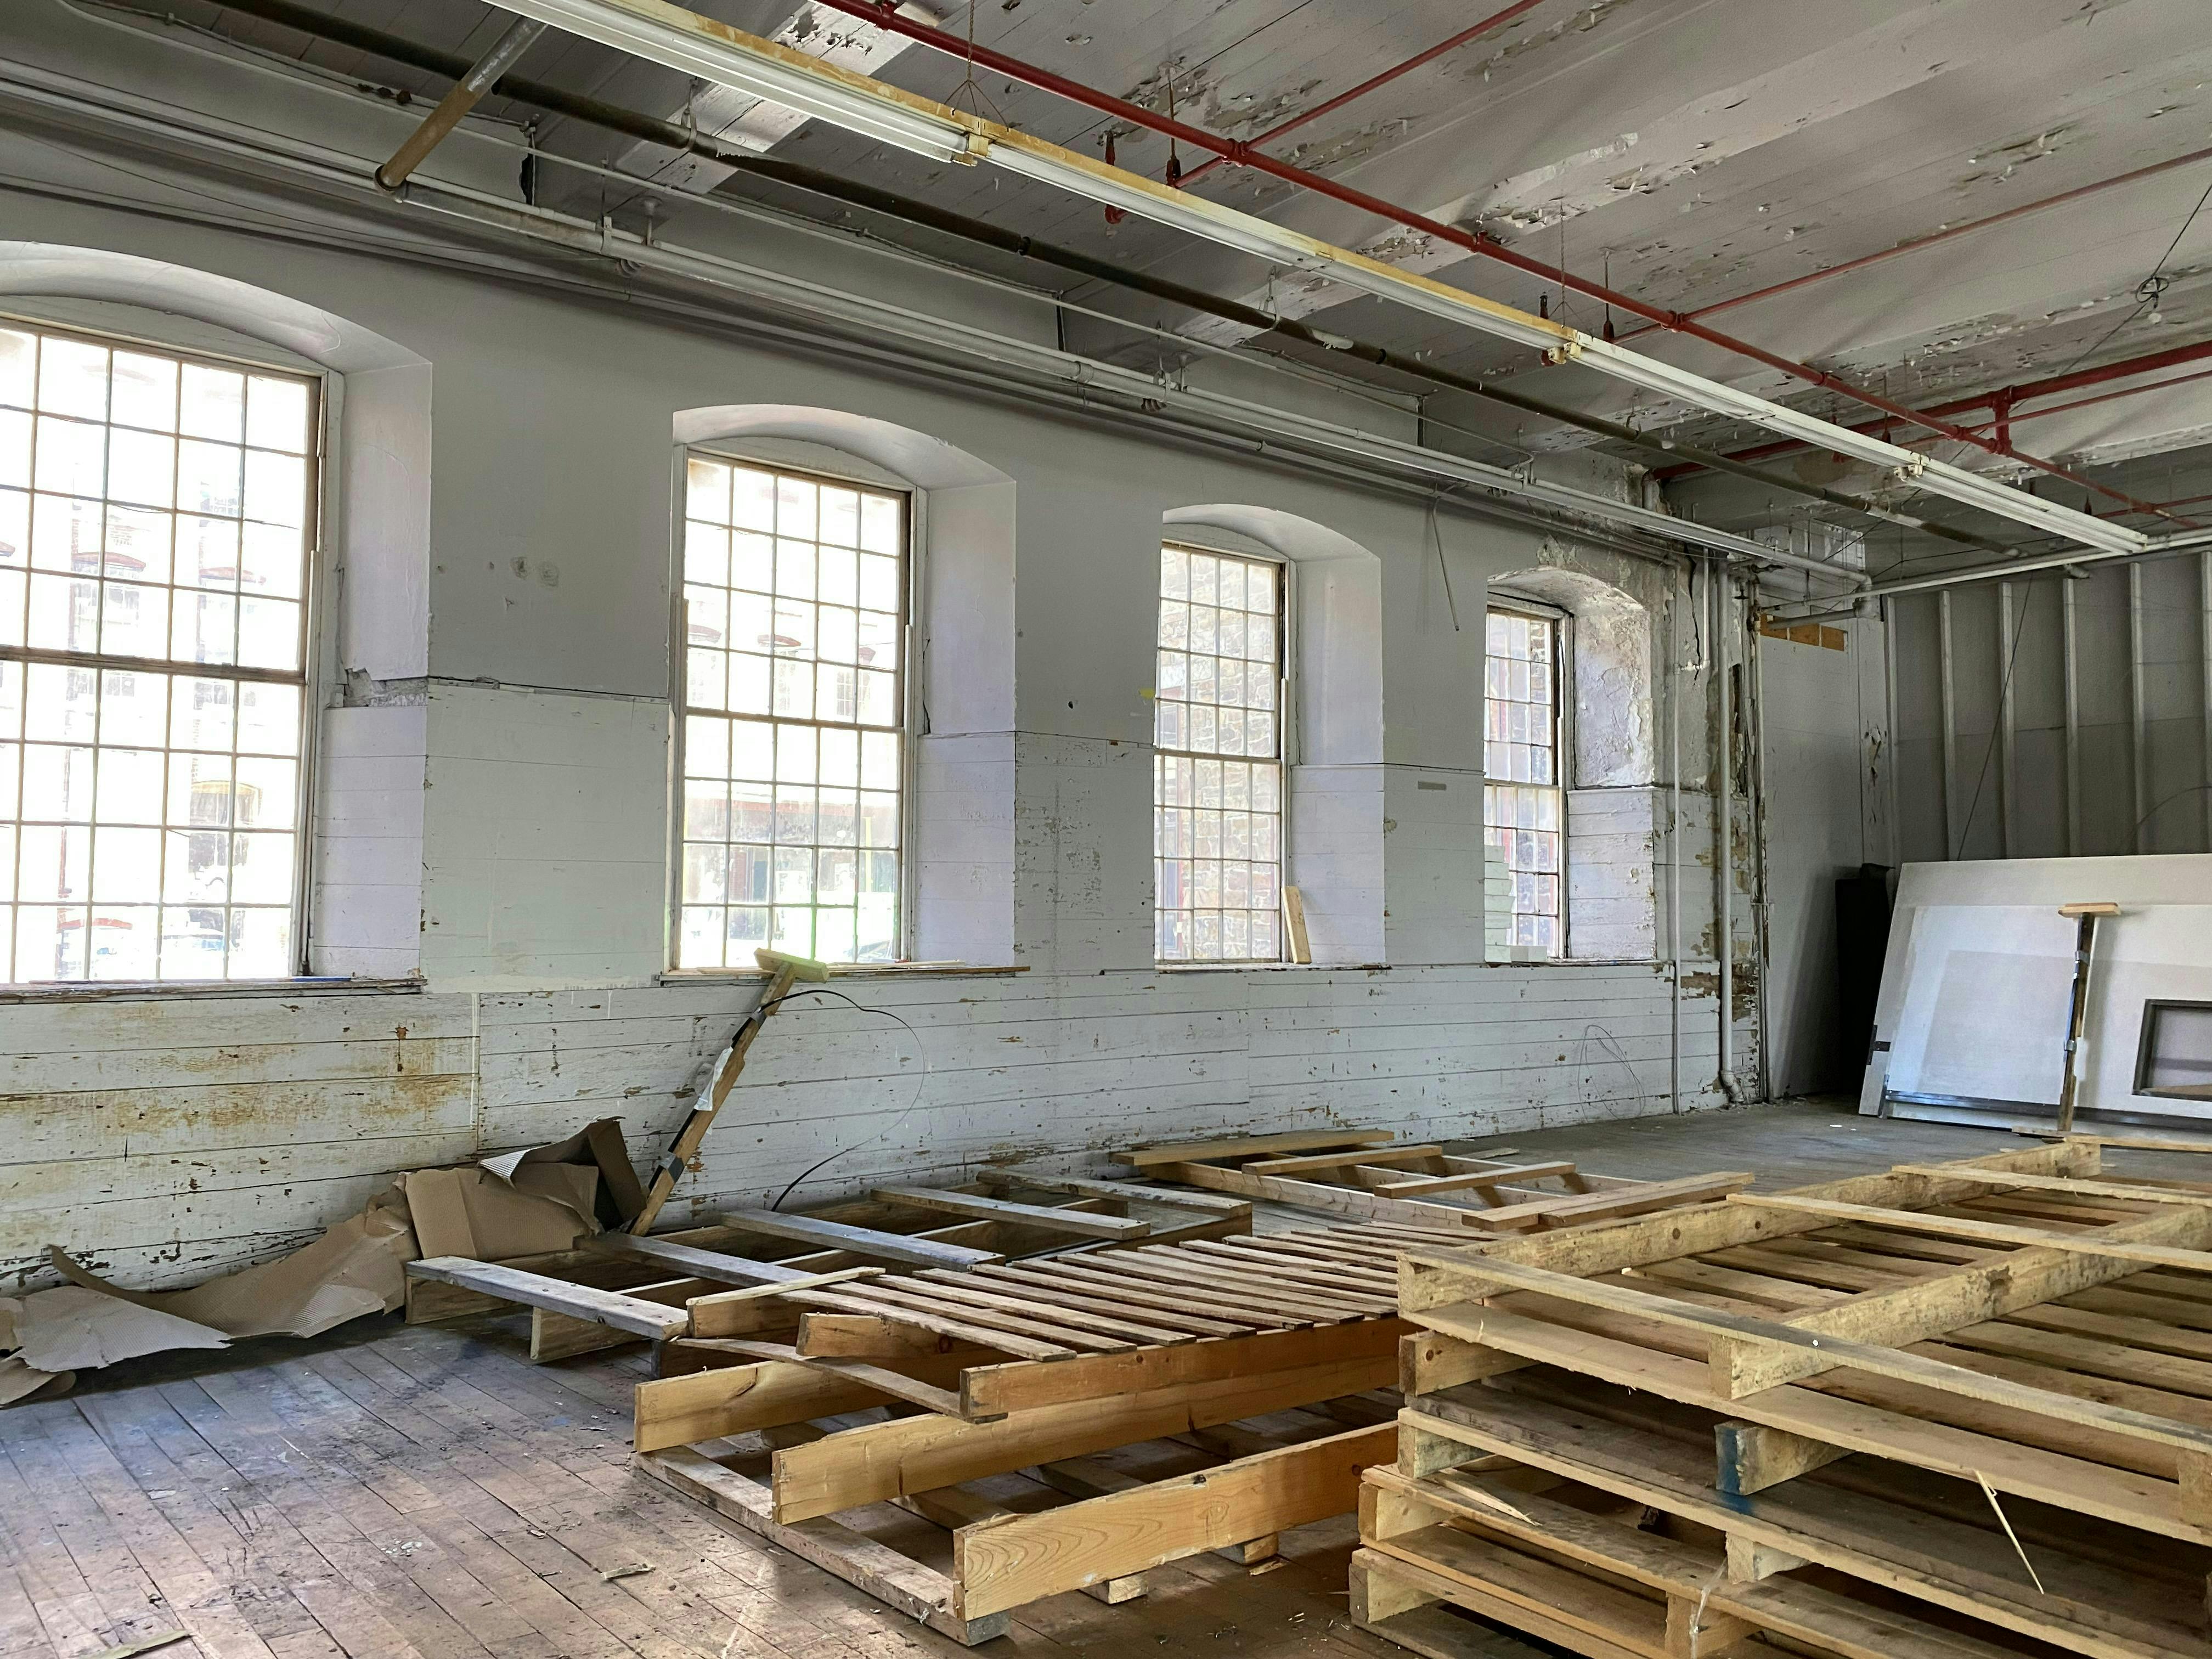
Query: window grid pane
[794, 590]
[156, 522]
[1520, 798]
[1218, 779]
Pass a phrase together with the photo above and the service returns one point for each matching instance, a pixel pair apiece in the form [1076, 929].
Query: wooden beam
[677, 1411]
[685, 1258]
[624, 1313]
[896, 1384]
[902, 1247]
[684, 1148]
[2075, 1187]
[1083, 1223]
[880, 1461]
[871, 1336]
[1752, 1456]
[1299, 1141]
[1573, 1209]
[1005, 1563]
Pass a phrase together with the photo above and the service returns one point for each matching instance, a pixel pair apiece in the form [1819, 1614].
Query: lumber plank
[1111, 1283]
[881, 1461]
[1573, 1209]
[765, 1393]
[911, 1251]
[1991, 1232]
[1005, 1562]
[1295, 1141]
[1318, 1195]
[960, 1330]
[933, 1301]
[1084, 1223]
[624, 1313]
[1505, 1175]
[1051, 1310]
[919, 1592]
[869, 1336]
[684, 1148]
[1076, 1294]
[881, 1378]
[2134, 1192]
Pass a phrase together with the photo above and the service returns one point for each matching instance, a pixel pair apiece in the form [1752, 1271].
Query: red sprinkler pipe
[1329, 106]
[884, 16]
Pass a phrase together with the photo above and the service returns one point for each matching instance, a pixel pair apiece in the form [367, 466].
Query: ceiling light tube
[683, 40]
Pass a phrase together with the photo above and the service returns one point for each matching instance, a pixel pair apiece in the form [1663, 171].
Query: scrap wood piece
[918, 1591]
[902, 1247]
[785, 971]
[624, 1313]
[1084, 1223]
[1008, 1561]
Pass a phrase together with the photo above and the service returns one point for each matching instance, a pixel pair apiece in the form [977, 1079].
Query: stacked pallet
[962, 1443]
[1960, 1410]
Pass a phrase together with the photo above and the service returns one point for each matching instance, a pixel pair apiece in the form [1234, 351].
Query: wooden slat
[2134, 1192]
[1145, 1293]
[730, 1399]
[1083, 1187]
[1160, 1311]
[1298, 1140]
[1082, 1224]
[960, 1287]
[881, 1378]
[960, 1330]
[1566, 1210]
[908, 1296]
[685, 1258]
[857, 1241]
[624, 1313]
[1005, 1562]
[1994, 1232]
[740, 1312]
[1506, 1175]
[1339, 1160]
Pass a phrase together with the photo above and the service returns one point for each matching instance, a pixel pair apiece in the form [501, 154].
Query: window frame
[1286, 738]
[1501, 601]
[913, 517]
[2145, 1055]
[326, 392]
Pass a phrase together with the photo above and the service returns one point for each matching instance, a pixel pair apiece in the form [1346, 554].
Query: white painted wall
[493, 809]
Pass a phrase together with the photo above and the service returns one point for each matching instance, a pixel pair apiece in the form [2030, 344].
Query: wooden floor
[391, 1492]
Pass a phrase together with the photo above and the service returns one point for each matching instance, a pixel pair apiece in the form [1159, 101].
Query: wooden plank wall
[169, 1139]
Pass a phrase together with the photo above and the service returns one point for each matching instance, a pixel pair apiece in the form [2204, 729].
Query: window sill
[180, 990]
[842, 970]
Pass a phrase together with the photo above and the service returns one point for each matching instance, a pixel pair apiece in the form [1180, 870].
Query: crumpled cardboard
[358, 1266]
[21, 1382]
[75, 1327]
[473, 1213]
[599, 1144]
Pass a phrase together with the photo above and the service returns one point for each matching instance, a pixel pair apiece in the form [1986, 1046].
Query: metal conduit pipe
[814, 181]
[886, 16]
[1720, 598]
[464, 96]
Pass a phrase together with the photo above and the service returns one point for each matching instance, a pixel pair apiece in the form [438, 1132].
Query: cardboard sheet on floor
[21, 1382]
[75, 1327]
[358, 1266]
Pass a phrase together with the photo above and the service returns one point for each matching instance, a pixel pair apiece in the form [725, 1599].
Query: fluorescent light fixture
[681, 40]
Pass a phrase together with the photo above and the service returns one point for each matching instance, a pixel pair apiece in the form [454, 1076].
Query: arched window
[157, 514]
[839, 673]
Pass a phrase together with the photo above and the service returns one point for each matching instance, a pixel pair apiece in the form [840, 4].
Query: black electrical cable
[920, 1086]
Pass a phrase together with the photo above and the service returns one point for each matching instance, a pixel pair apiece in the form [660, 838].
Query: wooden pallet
[1948, 1383]
[1359, 1173]
[1578, 1567]
[704, 1281]
[1045, 1366]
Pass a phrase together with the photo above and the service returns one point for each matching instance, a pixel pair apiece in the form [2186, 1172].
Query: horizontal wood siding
[165, 1139]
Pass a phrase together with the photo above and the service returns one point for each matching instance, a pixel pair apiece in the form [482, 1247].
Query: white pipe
[1675, 671]
[682, 39]
[877, 318]
[1719, 596]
